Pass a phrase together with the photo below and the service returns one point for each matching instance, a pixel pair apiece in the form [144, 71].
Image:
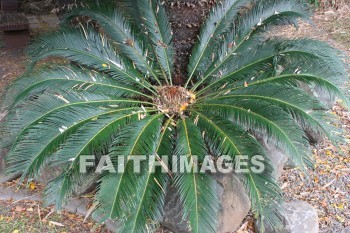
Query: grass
[28, 217]
[326, 4]
[341, 31]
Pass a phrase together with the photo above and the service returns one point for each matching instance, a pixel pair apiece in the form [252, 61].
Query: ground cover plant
[117, 97]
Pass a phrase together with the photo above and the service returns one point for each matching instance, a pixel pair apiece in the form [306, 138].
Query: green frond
[158, 28]
[292, 79]
[298, 104]
[227, 138]
[218, 22]
[197, 191]
[269, 56]
[87, 48]
[44, 135]
[65, 79]
[251, 26]
[268, 121]
[122, 35]
[94, 138]
[130, 12]
[125, 196]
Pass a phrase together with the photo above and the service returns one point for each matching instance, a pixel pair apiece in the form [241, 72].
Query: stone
[172, 218]
[4, 177]
[314, 137]
[48, 173]
[299, 216]
[87, 184]
[111, 226]
[26, 195]
[277, 156]
[50, 20]
[83, 209]
[346, 230]
[34, 22]
[73, 205]
[5, 194]
[84, 186]
[235, 205]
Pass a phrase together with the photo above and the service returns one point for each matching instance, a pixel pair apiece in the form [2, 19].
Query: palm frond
[158, 28]
[197, 190]
[45, 134]
[250, 27]
[114, 25]
[66, 78]
[93, 138]
[302, 107]
[218, 22]
[229, 139]
[130, 191]
[270, 55]
[266, 120]
[90, 49]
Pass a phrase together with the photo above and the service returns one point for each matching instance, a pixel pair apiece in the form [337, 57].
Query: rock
[172, 218]
[235, 205]
[87, 184]
[3, 177]
[48, 174]
[346, 230]
[299, 217]
[278, 157]
[324, 97]
[84, 186]
[314, 137]
[83, 208]
[73, 205]
[6, 194]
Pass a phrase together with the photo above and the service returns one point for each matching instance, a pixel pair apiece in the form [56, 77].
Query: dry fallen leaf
[56, 224]
[19, 208]
[32, 186]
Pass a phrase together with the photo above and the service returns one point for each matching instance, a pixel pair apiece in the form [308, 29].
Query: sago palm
[116, 96]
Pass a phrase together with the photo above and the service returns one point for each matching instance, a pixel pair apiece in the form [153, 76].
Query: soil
[186, 18]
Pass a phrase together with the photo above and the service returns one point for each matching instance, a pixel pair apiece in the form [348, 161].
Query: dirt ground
[327, 187]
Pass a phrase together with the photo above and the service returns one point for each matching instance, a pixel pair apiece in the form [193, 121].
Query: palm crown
[117, 97]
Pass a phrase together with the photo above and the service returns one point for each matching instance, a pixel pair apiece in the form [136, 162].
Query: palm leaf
[196, 190]
[266, 57]
[92, 138]
[129, 189]
[64, 79]
[249, 27]
[218, 22]
[158, 28]
[227, 138]
[90, 49]
[120, 31]
[265, 119]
